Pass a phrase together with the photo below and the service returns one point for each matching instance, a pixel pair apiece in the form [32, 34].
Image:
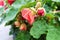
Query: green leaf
[56, 0]
[16, 8]
[57, 14]
[1, 10]
[47, 8]
[30, 4]
[23, 36]
[51, 15]
[10, 15]
[53, 33]
[39, 28]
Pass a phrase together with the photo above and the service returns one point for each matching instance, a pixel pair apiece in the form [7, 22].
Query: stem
[56, 11]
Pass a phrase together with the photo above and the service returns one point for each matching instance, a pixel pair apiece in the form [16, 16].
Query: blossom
[28, 15]
[1, 2]
[10, 1]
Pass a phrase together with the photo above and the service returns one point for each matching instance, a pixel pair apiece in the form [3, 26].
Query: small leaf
[50, 15]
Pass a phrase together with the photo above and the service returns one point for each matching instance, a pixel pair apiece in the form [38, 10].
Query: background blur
[4, 32]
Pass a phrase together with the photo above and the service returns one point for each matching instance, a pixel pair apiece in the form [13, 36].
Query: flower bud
[38, 5]
[41, 11]
[17, 23]
[23, 27]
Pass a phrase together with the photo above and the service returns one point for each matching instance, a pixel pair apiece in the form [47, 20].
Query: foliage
[38, 28]
[53, 34]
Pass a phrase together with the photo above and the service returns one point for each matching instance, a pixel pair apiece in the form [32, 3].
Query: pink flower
[27, 14]
[41, 11]
[1, 2]
[10, 1]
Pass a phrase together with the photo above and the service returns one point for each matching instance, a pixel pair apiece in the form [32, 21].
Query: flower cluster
[29, 14]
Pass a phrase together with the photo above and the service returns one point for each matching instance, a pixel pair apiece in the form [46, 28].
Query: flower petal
[27, 14]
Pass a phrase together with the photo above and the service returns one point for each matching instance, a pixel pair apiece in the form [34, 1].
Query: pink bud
[41, 11]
